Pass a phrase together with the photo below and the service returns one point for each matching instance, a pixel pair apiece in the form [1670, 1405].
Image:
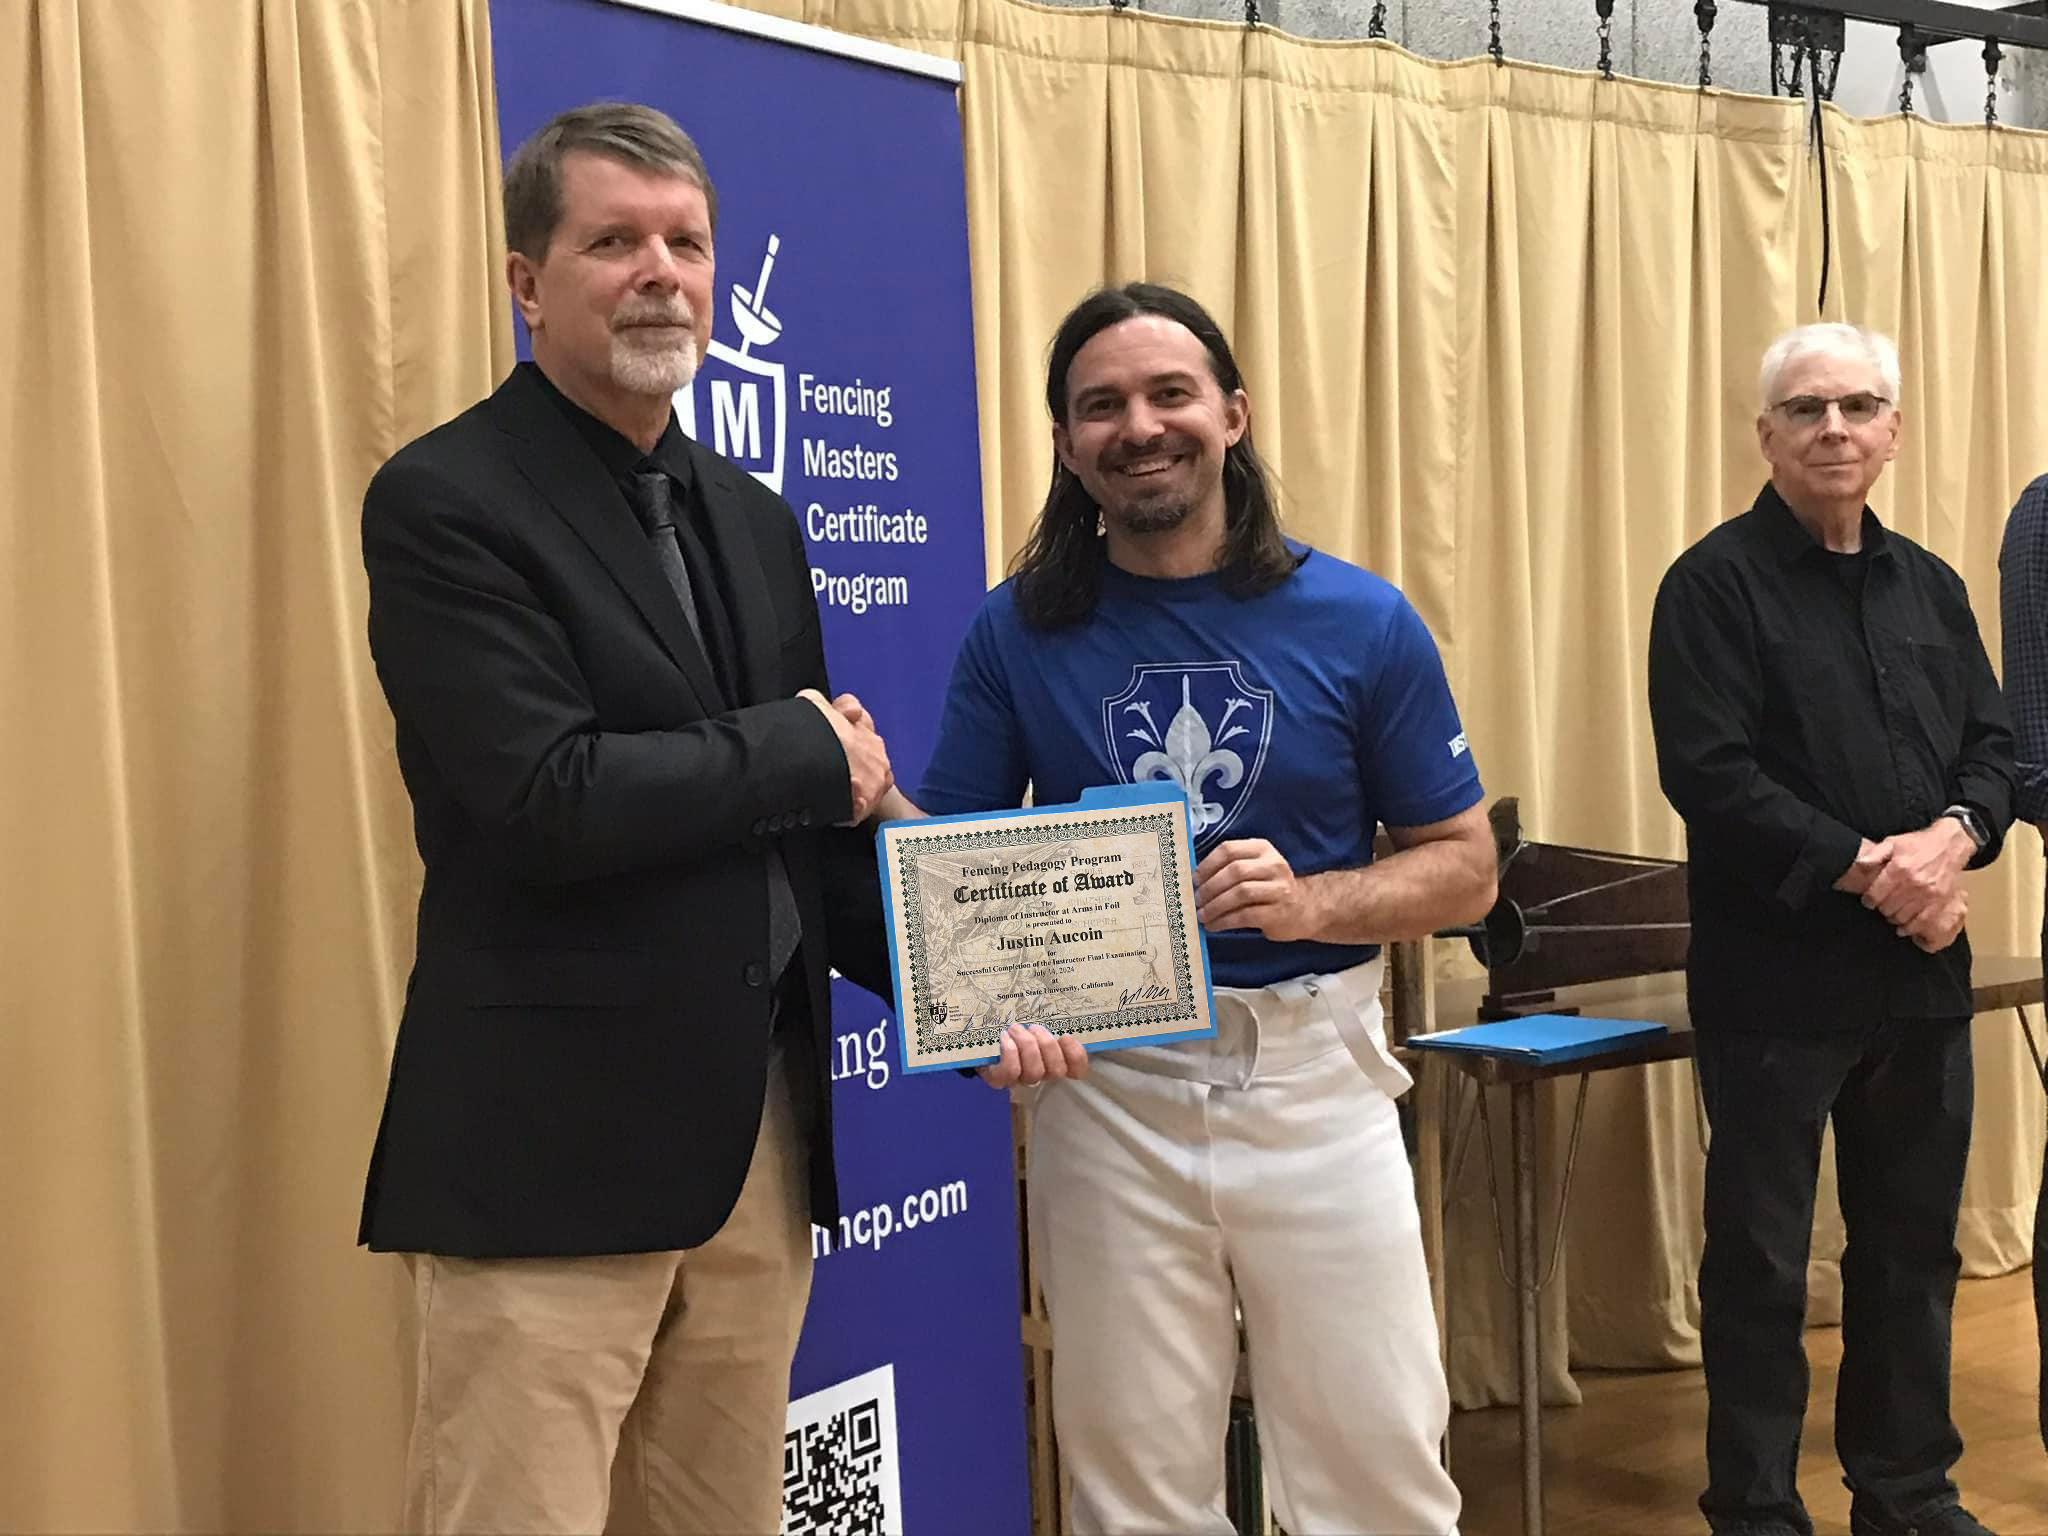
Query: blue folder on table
[1539, 1038]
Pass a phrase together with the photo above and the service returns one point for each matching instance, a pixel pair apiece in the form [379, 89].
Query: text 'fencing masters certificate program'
[1080, 918]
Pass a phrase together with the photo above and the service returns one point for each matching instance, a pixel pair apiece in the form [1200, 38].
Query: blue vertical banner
[841, 374]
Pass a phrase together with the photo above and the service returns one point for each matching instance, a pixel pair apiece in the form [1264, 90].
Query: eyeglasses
[1808, 411]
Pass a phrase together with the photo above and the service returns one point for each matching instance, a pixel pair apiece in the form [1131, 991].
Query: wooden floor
[1628, 1461]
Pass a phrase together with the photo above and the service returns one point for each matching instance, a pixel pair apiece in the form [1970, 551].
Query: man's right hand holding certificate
[1034, 1054]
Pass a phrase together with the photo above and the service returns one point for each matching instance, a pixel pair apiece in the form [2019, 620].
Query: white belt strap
[1347, 999]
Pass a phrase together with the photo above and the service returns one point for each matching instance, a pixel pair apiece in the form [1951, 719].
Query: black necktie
[652, 496]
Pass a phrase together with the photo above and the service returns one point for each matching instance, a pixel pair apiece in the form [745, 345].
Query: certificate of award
[1077, 917]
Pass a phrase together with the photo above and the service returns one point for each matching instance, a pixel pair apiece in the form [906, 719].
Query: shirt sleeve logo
[1457, 745]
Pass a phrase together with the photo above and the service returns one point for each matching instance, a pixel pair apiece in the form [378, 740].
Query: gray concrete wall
[1659, 40]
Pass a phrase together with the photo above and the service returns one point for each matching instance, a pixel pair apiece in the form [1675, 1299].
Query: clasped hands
[1029, 1055]
[867, 755]
[1911, 880]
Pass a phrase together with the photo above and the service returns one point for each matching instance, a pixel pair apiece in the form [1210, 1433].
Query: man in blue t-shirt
[1159, 626]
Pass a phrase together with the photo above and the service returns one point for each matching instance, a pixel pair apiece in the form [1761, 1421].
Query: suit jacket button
[755, 973]
[760, 825]
[803, 819]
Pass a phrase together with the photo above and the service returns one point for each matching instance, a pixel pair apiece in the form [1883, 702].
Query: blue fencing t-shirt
[1309, 715]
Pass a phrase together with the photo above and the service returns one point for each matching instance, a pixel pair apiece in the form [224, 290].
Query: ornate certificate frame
[1077, 917]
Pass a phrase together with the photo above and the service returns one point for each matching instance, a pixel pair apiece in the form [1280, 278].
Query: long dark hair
[1058, 572]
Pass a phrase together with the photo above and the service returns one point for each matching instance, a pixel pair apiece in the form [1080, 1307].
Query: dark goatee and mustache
[1152, 517]
[1144, 515]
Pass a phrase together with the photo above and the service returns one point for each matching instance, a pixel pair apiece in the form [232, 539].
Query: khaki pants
[630, 1392]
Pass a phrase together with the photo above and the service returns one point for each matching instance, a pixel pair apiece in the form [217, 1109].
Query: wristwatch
[1972, 824]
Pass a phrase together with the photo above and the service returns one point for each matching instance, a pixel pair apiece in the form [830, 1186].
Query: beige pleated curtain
[249, 248]
[1500, 327]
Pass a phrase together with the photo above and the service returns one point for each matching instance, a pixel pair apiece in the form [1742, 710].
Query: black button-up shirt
[701, 555]
[2023, 608]
[617, 453]
[1803, 701]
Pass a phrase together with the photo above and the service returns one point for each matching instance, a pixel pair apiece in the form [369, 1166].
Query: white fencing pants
[1266, 1159]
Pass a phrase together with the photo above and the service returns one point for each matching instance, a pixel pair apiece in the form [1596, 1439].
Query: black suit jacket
[581, 1063]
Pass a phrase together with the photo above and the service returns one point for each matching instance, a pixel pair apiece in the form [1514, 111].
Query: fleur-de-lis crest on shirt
[1213, 743]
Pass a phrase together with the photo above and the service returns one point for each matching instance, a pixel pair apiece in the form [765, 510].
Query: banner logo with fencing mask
[745, 398]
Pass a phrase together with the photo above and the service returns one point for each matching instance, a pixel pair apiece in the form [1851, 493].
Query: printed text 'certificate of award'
[1077, 917]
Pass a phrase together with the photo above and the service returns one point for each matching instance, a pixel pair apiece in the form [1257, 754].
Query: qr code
[839, 1468]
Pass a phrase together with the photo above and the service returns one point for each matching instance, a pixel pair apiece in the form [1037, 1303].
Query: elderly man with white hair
[1829, 727]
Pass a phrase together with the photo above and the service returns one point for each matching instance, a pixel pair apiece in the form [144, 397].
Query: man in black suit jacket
[609, 1120]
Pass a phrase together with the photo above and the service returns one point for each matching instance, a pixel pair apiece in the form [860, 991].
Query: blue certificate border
[1132, 796]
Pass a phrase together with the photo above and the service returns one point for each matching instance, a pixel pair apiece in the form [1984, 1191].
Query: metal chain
[1993, 57]
[1377, 25]
[1787, 80]
[1605, 10]
[1834, 57]
[1251, 13]
[1493, 31]
[1799, 59]
[1908, 47]
[1705, 11]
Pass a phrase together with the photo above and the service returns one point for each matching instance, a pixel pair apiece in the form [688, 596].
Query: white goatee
[641, 369]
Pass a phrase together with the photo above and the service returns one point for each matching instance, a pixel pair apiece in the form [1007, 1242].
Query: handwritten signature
[1151, 992]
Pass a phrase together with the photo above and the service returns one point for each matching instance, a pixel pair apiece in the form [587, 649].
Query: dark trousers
[2041, 1268]
[1900, 1097]
[2041, 1292]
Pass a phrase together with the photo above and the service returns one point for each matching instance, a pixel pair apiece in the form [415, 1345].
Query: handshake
[1031, 1053]
[867, 755]
[1911, 881]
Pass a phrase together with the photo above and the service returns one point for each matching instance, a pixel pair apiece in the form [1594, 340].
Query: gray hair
[643, 137]
[1850, 343]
